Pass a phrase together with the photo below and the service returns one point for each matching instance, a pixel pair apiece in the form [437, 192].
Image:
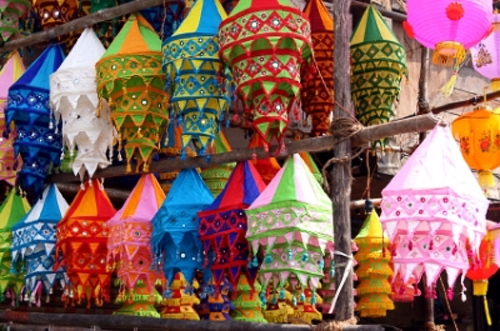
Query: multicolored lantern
[129, 77]
[74, 99]
[216, 177]
[404, 292]
[291, 223]
[191, 62]
[305, 312]
[175, 240]
[378, 64]
[374, 268]
[479, 135]
[215, 307]
[37, 142]
[317, 93]
[180, 305]
[129, 248]
[223, 226]
[12, 210]
[11, 11]
[268, 167]
[247, 305]
[34, 242]
[266, 44]
[279, 306]
[448, 27]
[431, 209]
[486, 54]
[82, 245]
[9, 74]
[139, 302]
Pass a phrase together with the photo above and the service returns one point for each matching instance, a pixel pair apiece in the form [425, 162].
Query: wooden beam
[387, 13]
[80, 23]
[341, 171]
[466, 103]
[317, 144]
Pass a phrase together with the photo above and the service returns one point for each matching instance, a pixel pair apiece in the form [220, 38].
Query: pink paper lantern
[450, 27]
[434, 212]
[486, 55]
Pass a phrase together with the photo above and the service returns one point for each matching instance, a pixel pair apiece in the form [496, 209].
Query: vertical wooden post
[423, 92]
[340, 173]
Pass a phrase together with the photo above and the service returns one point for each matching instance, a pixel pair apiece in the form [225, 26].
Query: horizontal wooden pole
[32, 327]
[415, 124]
[466, 103]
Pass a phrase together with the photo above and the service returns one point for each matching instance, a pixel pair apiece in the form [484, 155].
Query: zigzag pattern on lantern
[130, 78]
[74, 99]
[11, 11]
[317, 93]
[265, 44]
[191, 62]
[247, 305]
[34, 242]
[180, 305]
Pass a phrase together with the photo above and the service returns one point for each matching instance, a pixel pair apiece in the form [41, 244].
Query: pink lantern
[450, 27]
[434, 212]
[486, 55]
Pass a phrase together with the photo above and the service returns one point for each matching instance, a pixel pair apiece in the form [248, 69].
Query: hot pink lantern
[434, 212]
[486, 55]
[450, 27]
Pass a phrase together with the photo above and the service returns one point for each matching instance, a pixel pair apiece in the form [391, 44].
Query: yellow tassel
[486, 179]
[448, 88]
[487, 311]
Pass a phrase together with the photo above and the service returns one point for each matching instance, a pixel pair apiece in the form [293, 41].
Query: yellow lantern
[479, 135]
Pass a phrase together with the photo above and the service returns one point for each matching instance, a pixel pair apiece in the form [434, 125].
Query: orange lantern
[479, 135]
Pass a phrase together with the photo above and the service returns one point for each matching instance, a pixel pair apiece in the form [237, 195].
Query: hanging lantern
[129, 248]
[247, 305]
[374, 268]
[378, 64]
[8, 75]
[82, 237]
[268, 167]
[291, 222]
[279, 306]
[12, 211]
[431, 208]
[486, 54]
[11, 11]
[216, 177]
[37, 142]
[404, 292]
[311, 165]
[223, 226]
[74, 100]
[478, 133]
[129, 77]
[317, 93]
[448, 27]
[33, 245]
[180, 305]
[215, 307]
[175, 238]
[191, 62]
[305, 312]
[266, 45]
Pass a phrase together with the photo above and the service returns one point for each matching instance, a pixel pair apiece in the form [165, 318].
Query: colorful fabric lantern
[74, 99]
[12, 210]
[9, 74]
[129, 247]
[479, 135]
[139, 302]
[37, 142]
[180, 305]
[430, 209]
[327, 290]
[191, 62]
[266, 44]
[82, 245]
[247, 305]
[279, 306]
[11, 11]
[268, 167]
[317, 93]
[223, 226]
[378, 64]
[215, 306]
[175, 239]
[305, 312]
[129, 77]
[374, 268]
[291, 222]
[486, 54]
[34, 242]
[448, 27]
[216, 177]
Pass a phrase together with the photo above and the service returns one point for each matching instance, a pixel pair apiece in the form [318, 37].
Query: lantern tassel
[487, 311]
[486, 179]
[448, 88]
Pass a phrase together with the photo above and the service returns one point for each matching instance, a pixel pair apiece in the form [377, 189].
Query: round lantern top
[436, 21]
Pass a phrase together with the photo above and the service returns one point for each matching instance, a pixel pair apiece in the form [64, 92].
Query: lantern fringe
[277, 316]
[486, 179]
[447, 89]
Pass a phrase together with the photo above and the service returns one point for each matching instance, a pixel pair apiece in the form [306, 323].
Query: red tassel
[408, 29]
[449, 294]
[431, 245]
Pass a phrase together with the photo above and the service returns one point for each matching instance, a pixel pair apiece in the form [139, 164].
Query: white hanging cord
[347, 270]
